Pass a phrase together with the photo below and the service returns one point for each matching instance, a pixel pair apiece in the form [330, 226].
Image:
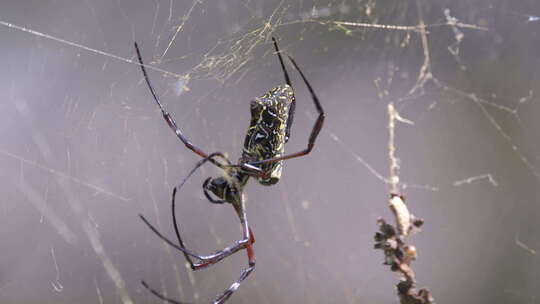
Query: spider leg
[222, 298]
[278, 52]
[245, 243]
[206, 260]
[168, 241]
[240, 210]
[251, 170]
[173, 203]
[227, 293]
[287, 81]
[159, 295]
[168, 117]
[314, 132]
[219, 255]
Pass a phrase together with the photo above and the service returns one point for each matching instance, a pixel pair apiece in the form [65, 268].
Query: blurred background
[84, 149]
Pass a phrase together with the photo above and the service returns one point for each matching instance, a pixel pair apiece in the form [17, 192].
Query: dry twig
[391, 238]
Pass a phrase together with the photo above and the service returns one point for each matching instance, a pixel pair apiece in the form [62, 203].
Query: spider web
[85, 150]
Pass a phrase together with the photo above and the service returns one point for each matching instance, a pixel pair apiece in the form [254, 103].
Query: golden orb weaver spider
[262, 157]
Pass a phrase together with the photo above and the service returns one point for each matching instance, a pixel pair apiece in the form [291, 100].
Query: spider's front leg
[168, 117]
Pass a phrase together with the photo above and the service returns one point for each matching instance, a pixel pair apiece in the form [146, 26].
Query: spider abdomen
[266, 135]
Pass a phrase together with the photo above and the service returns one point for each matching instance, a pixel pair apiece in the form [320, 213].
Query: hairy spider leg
[168, 117]
[317, 126]
[245, 243]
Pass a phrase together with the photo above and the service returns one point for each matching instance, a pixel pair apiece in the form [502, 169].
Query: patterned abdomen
[267, 133]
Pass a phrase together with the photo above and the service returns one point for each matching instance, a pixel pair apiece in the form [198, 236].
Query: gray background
[84, 150]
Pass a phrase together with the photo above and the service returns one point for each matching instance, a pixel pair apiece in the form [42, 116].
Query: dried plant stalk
[392, 238]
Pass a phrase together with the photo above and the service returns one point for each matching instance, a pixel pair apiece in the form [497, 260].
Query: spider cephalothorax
[227, 188]
[262, 157]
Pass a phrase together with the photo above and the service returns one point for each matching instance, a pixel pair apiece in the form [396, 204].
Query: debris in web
[472, 179]
[398, 254]
[525, 246]
[322, 16]
[394, 162]
[458, 34]
[425, 76]
[56, 284]
[392, 239]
